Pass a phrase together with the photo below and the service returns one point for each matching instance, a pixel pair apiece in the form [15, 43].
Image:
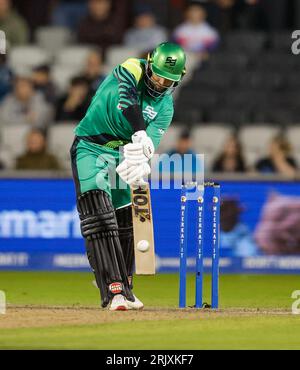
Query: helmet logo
[171, 61]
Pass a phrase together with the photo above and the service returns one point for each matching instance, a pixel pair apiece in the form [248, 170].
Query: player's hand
[132, 173]
[134, 154]
[142, 138]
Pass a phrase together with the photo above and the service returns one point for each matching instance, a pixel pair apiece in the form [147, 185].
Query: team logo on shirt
[150, 112]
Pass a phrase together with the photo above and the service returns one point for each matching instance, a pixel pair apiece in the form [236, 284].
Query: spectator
[145, 34]
[93, 72]
[195, 34]
[25, 106]
[69, 13]
[222, 14]
[35, 12]
[14, 26]
[42, 82]
[73, 106]
[36, 156]
[105, 23]
[231, 159]
[279, 159]
[5, 77]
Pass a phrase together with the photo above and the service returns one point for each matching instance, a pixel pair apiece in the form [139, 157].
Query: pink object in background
[278, 231]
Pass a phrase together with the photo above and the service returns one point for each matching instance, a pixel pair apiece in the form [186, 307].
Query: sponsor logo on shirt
[150, 112]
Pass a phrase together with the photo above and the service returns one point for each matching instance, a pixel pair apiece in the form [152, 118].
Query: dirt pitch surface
[47, 316]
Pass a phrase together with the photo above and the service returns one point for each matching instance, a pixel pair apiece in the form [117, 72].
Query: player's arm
[129, 75]
[154, 132]
[159, 126]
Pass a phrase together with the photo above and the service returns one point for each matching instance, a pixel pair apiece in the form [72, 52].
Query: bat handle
[139, 182]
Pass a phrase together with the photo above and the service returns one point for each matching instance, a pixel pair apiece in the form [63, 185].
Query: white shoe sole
[137, 308]
[129, 306]
[134, 306]
[119, 303]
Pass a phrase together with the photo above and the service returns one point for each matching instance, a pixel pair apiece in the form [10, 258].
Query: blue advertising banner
[39, 226]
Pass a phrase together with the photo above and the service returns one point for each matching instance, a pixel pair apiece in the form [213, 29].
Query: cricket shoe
[136, 305]
[119, 303]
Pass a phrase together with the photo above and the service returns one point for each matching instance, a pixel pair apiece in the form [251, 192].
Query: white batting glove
[142, 138]
[134, 153]
[132, 173]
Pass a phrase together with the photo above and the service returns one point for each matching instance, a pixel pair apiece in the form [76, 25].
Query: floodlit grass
[229, 330]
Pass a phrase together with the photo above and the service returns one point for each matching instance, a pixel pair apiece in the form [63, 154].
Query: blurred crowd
[33, 99]
[231, 158]
[115, 17]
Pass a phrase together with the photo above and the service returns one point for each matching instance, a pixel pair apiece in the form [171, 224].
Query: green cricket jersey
[105, 123]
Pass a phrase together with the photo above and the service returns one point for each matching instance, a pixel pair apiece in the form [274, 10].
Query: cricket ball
[143, 246]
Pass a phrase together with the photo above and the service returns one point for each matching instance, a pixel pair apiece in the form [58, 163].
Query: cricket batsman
[129, 114]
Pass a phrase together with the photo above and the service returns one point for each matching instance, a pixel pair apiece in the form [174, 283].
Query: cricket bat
[143, 229]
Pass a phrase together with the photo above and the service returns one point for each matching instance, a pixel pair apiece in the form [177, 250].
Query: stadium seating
[52, 38]
[230, 116]
[292, 80]
[293, 136]
[280, 116]
[198, 98]
[251, 84]
[228, 61]
[60, 138]
[62, 75]
[212, 79]
[249, 41]
[255, 141]
[281, 41]
[251, 79]
[118, 54]
[187, 116]
[73, 57]
[23, 58]
[69, 62]
[259, 80]
[168, 141]
[209, 139]
[273, 60]
[10, 149]
[192, 62]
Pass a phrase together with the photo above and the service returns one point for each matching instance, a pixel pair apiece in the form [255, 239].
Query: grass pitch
[60, 311]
